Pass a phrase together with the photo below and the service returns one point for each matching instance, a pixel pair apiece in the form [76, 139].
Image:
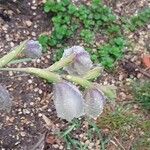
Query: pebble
[139, 75]
[123, 95]
[87, 142]
[30, 81]
[33, 7]
[33, 34]
[36, 89]
[31, 103]
[4, 28]
[26, 111]
[40, 91]
[10, 73]
[28, 23]
[12, 44]
[61, 147]
[38, 61]
[56, 146]
[23, 134]
[35, 26]
[40, 115]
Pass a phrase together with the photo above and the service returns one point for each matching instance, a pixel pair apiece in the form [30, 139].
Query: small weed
[141, 91]
[93, 133]
[142, 143]
[71, 142]
[139, 20]
[118, 119]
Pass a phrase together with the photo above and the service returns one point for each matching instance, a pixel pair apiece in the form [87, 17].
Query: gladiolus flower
[68, 101]
[82, 62]
[33, 49]
[94, 102]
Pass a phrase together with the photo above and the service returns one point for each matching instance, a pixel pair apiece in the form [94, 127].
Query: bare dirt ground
[23, 126]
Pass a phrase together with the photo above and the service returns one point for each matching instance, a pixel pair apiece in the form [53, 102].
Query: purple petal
[68, 101]
[33, 49]
[5, 100]
[94, 102]
[82, 62]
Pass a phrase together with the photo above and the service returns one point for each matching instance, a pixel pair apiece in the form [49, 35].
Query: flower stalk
[12, 55]
[47, 75]
[61, 63]
[93, 74]
[78, 80]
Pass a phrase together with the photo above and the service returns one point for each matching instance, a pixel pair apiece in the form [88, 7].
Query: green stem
[47, 75]
[61, 63]
[12, 54]
[93, 74]
[68, 130]
[20, 60]
[83, 82]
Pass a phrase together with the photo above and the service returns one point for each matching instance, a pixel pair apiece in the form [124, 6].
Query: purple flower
[5, 100]
[82, 62]
[94, 102]
[33, 49]
[68, 101]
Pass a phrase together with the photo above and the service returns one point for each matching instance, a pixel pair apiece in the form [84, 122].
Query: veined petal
[82, 62]
[68, 101]
[33, 49]
[94, 102]
[5, 100]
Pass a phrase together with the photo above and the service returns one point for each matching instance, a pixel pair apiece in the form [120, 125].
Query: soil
[24, 126]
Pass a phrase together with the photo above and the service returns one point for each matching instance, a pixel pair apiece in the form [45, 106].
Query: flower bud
[68, 101]
[94, 102]
[33, 49]
[82, 62]
[5, 100]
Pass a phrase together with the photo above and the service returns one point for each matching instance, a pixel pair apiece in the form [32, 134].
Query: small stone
[32, 103]
[40, 115]
[10, 73]
[12, 44]
[33, 7]
[26, 111]
[139, 75]
[56, 146]
[81, 135]
[23, 134]
[38, 61]
[87, 142]
[4, 28]
[123, 95]
[40, 91]
[120, 77]
[28, 23]
[35, 26]
[10, 12]
[36, 89]
[30, 81]
[61, 147]
[33, 34]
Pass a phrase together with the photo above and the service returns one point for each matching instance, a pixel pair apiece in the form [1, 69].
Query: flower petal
[68, 101]
[33, 49]
[5, 100]
[94, 102]
[82, 62]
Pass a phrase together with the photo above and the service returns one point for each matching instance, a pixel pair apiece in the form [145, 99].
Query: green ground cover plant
[83, 22]
[68, 19]
[138, 20]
